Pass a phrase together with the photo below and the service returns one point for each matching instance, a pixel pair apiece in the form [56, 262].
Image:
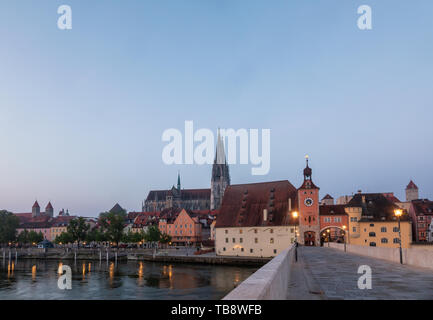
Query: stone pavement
[326, 273]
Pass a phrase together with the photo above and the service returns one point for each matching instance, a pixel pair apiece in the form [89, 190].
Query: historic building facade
[194, 199]
[256, 219]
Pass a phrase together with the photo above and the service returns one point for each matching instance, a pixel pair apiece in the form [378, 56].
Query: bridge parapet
[270, 282]
[415, 256]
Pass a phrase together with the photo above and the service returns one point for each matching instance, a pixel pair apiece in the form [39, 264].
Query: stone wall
[418, 256]
[271, 282]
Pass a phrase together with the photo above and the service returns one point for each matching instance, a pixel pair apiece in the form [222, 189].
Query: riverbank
[203, 259]
[171, 255]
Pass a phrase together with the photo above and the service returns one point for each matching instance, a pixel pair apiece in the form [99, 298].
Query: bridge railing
[270, 282]
[416, 256]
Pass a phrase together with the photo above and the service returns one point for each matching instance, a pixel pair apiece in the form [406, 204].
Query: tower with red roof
[49, 210]
[412, 191]
[308, 206]
[36, 209]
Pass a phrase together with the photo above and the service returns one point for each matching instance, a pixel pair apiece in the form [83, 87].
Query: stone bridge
[327, 273]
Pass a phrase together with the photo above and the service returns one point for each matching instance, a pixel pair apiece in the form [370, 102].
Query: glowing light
[60, 271]
[398, 212]
[34, 272]
[295, 214]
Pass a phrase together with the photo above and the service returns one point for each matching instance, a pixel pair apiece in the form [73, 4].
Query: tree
[113, 224]
[64, 237]
[35, 237]
[23, 237]
[96, 235]
[78, 228]
[165, 238]
[8, 226]
[153, 234]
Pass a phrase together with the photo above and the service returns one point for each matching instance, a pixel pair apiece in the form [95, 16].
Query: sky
[82, 111]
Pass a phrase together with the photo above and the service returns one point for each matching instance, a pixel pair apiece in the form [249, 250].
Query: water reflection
[37, 279]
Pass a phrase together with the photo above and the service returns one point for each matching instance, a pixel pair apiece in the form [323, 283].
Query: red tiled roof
[423, 207]
[411, 185]
[49, 206]
[332, 210]
[391, 197]
[243, 204]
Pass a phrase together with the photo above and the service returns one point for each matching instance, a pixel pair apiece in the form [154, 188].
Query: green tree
[64, 237]
[153, 234]
[96, 235]
[78, 228]
[23, 237]
[113, 224]
[35, 237]
[8, 226]
[165, 238]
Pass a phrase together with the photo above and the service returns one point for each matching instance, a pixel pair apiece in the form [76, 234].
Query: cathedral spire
[220, 156]
[178, 180]
[220, 175]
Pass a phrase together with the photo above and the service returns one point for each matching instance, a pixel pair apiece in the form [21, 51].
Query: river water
[37, 279]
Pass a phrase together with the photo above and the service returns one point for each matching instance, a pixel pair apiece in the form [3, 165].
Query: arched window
[384, 240]
[372, 244]
[372, 234]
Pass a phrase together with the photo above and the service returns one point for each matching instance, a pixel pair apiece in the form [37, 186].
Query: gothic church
[194, 199]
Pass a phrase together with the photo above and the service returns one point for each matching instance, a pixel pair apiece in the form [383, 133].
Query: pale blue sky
[82, 111]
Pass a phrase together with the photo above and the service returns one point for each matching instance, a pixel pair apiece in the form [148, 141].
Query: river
[37, 279]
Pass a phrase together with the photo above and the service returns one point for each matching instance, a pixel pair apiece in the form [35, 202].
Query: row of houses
[263, 219]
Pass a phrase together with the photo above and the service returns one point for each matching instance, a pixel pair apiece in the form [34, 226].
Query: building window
[272, 240]
[251, 250]
[384, 240]
[353, 219]
[271, 231]
[337, 219]
[255, 230]
[275, 251]
[383, 229]
[354, 229]
[256, 240]
[224, 249]
[240, 240]
[226, 231]
[240, 231]
[371, 224]
[227, 240]
[396, 240]
[395, 229]
[372, 244]
[372, 234]
[234, 240]
[242, 249]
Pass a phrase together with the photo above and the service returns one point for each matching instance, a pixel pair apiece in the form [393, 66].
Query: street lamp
[295, 216]
[329, 236]
[398, 213]
[344, 228]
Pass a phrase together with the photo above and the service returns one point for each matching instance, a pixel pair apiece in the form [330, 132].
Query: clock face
[308, 202]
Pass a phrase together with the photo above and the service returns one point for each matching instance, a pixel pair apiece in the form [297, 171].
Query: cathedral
[194, 199]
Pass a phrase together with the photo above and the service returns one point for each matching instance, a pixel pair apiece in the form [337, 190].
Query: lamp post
[398, 213]
[329, 236]
[344, 228]
[295, 215]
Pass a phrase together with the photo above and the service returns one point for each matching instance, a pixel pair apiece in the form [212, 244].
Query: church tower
[220, 175]
[308, 204]
[412, 191]
[36, 210]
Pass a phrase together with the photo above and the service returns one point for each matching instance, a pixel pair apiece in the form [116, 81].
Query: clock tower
[308, 204]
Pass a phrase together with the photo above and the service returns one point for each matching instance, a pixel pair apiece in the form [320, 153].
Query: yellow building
[256, 220]
[373, 222]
